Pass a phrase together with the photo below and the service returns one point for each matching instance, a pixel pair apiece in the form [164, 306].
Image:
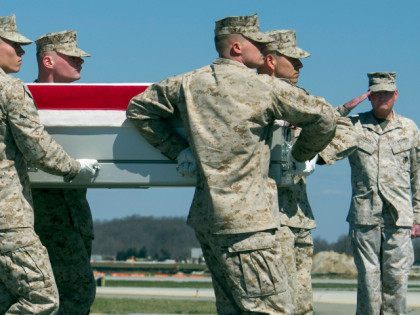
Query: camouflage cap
[63, 42]
[248, 26]
[382, 81]
[8, 30]
[285, 44]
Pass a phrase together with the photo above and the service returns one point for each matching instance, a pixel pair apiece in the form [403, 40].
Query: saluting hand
[356, 101]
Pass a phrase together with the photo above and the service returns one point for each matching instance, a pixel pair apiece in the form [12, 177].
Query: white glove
[88, 169]
[304, 168]
[186, 163]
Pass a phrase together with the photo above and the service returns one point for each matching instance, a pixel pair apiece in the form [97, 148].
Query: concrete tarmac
[320, 296]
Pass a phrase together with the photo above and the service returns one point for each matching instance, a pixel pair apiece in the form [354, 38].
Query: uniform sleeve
[151, 111]
[36, 145]
[415, 179]
[343, 111]
[314, 115]
[343, 144]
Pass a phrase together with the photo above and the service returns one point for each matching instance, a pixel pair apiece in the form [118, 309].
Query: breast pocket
[366, 146]
[401, 152]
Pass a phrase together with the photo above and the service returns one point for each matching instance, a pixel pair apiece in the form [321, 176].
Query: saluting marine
[27, 283]
[385, 199]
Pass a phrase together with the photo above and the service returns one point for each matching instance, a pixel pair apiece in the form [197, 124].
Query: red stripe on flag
[84, 96]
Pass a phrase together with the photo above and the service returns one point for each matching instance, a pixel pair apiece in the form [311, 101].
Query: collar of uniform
[225, 61]
[2, 72]
[369, 121]
[394, 123]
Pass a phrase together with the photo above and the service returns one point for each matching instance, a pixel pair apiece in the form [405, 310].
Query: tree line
[170, 238]
[144, 237]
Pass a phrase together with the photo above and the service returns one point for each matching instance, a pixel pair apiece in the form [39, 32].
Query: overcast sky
[146, 41]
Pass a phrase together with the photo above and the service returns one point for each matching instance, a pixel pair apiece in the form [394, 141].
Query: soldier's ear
[396, 95]
[48, 61]
[236, 48]
[270, 61]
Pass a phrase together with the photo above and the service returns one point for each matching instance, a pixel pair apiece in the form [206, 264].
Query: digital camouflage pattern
[247, 26]
[248, 272]
[228, 113]
[382, 81]
[297, 252]
[285, 44]
[64, 42]
[63, 218]
[296, 216]
[383, 256]
[385, 204]
[345, 139]
[8, 30]
[63, 221]
[23, 139]
[385, 168]
[229, 127]
[296, 219]
[26, 282]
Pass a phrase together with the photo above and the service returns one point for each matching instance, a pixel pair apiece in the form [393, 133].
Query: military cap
[285, 44]
[63, 42]
[382, 81]
[247, 26]
[8, 30]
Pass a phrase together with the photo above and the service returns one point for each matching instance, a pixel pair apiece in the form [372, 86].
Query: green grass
[121, 306]
[158, 284]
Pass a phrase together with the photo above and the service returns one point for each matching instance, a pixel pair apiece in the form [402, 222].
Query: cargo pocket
[257, 259]
[26, 267]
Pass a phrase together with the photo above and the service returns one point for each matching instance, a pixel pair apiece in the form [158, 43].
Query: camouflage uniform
[63, 219]
[227, 111]
[385, 204]
[296, 215]
[27, 284]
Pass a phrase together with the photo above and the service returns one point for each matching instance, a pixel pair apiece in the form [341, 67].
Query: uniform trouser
[27, 284]
[297, 250]
[248, 273]
[73, 273]
[383, 257]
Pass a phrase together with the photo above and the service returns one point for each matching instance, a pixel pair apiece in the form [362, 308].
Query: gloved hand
[186, 163]
[88, 169]
[304, 168]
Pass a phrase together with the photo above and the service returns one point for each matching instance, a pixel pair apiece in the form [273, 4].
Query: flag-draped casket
[89, 121]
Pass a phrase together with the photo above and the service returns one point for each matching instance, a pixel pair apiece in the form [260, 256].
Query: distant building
[197, 255]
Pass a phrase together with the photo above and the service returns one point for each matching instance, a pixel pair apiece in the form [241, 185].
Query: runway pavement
[320, 296]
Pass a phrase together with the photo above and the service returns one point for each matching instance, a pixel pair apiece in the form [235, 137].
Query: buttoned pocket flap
[262, 240]
[366, 145]
[401, 145]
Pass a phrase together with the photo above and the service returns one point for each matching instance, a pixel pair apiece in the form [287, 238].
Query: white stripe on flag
[82, 118]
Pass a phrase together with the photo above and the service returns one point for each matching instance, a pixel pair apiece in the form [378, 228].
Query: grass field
[156, 306]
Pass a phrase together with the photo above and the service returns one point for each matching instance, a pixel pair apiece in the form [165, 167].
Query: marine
[27, 283]
[228, 112]
[385, 207]
[63, 219]
[283, 60]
